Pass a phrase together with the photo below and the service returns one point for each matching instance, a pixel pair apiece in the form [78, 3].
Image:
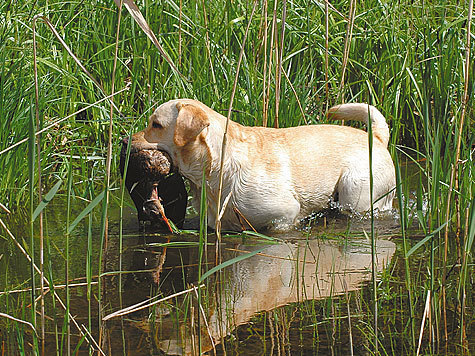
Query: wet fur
[275, 174]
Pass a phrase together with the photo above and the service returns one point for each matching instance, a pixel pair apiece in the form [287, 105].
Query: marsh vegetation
[66, 219]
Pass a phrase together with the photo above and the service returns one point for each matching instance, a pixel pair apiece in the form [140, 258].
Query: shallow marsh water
[306, 292]
[282, 273]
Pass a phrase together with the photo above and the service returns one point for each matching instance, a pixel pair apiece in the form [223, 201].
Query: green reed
[121, 236]
[67, 324]
[31, 174]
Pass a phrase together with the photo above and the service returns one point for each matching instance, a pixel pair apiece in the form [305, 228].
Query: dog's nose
[125, 141]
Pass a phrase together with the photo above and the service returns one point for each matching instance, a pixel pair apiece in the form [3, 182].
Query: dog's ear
[190, 122]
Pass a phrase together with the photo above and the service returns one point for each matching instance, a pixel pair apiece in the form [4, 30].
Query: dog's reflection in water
[278, 275]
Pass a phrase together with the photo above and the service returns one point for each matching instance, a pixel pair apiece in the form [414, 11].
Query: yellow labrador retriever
[274, 175]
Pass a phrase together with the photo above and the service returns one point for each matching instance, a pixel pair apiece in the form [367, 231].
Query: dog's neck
[207, 155]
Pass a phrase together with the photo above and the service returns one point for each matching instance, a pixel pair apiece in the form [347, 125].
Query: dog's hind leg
[353, 189]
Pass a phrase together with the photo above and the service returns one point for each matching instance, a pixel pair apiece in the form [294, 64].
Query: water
[299, 268]
[307, 292]
[281, 274]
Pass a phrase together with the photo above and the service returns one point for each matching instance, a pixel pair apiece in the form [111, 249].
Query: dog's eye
[156, 125]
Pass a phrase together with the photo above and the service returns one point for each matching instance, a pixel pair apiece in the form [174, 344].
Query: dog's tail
[361, 112]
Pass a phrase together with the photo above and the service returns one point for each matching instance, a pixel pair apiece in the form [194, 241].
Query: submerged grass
[411, 59]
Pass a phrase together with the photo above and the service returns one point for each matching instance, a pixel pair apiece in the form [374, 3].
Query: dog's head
[180, 127]
[176, 124]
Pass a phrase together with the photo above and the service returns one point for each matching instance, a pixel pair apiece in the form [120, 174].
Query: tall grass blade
[264, 70]
[327, 62]
[228, 118]
[402, 203]
[373, 235]
[469, 239]
[229, 263]
[424, 240]
[40, 191]
[279, 63]
[347, 47]
[109, 160]
[121, 232]
[47, 198]
[208, 49]
[89, 264]
[86, 211]
[3, 315]
[67, 321]
[147, 303]
[203, 242]
[203, 247]
[31, 186]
